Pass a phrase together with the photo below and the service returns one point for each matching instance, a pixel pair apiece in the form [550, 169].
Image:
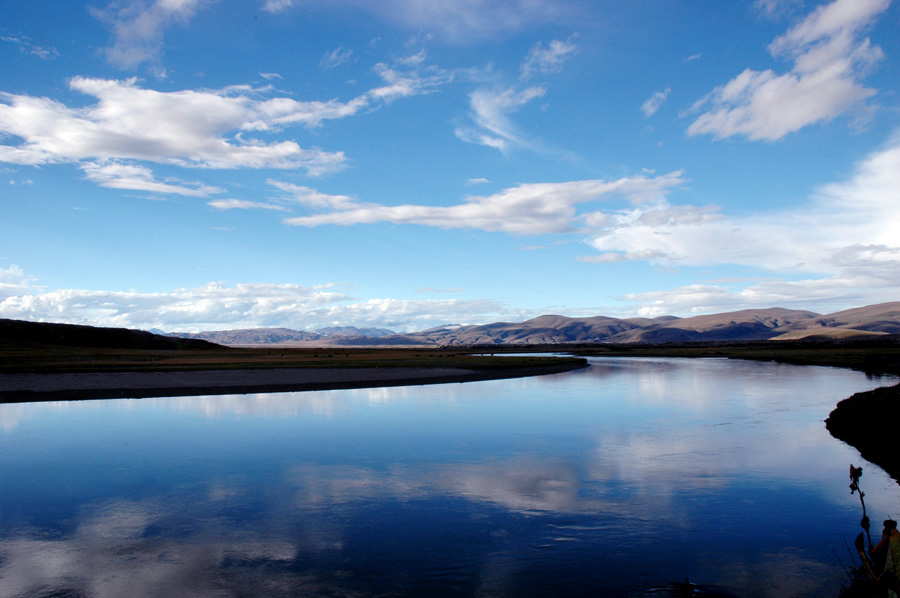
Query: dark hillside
[19, 333]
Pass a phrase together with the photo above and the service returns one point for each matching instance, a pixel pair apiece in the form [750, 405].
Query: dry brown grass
[867, 355]
[51, 359]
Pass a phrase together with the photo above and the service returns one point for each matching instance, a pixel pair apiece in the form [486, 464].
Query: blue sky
[199, 164]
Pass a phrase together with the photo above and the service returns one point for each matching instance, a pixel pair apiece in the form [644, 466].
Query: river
[621, 479]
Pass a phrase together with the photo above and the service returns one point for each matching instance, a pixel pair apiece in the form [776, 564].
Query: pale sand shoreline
[16, 388]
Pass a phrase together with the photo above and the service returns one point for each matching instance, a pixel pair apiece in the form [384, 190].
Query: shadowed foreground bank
[869, 422]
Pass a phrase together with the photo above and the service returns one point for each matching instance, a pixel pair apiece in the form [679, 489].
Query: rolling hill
[745, 325]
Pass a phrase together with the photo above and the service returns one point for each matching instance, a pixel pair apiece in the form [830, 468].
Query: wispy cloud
[460, 21]
[270, 76]
[493, 106]
[775, 9]
[655, 102]
[138, 27]
[528, 209]
[118, 175]
[830, 59]
[407, 77]
[311, 198]
[491, 112]
[242, 204]
[276, 6]
[26, 46]
[294, 196]
[336, 57]
[541, 60]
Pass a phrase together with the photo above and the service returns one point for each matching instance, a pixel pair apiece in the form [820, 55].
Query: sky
[188, 165]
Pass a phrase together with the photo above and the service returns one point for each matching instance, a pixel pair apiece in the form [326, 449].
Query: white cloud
[138, 27]
[830, 59]
[212, 305]
[242, 204]
[491, 114]
[294, 195]
[13, 281]
[655, 102]
[840, 18]
[407, 315]
[276, 6]
[191, 128]
[313, 199]
[117, 175]
[217, 306]
[528, 209]
[842, 243]
[542, 60]
[336, 57]
[270, 76]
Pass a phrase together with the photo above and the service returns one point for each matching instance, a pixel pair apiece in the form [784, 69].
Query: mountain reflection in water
[617, 480]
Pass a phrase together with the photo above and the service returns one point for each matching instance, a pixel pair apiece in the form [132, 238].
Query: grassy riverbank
[872, 356]
[57, 359]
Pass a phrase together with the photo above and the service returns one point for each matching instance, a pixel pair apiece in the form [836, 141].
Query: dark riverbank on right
[867, 421]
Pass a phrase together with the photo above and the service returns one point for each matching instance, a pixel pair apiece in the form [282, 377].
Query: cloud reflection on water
[646, 457]
[139, 549]
[113, 553]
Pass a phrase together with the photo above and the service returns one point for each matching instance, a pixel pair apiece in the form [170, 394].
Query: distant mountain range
[285, 336]
[746, 325]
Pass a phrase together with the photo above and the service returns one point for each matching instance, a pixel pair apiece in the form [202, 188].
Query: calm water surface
[617, 480]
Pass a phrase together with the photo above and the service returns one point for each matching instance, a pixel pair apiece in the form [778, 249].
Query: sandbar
[29, 387]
